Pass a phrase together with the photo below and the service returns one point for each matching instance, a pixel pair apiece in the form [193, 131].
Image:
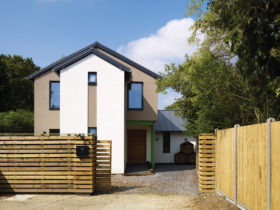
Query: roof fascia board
[127, 60]
[90, 47]
[49, 67]
[88, 52]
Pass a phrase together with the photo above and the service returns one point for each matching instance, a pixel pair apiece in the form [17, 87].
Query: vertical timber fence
[248, 165]
[54, 164]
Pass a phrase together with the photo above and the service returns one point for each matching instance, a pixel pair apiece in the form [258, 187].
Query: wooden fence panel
[225, 162]
[206, 165]
[46, 164]
[252, 166]
[103, 167]
[275, 165]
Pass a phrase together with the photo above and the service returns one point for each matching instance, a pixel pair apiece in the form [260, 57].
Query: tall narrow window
[135, 96]
[166, 142]
[92, 78]
[54, 95]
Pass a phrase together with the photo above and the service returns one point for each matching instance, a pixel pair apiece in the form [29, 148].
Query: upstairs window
[92, 78]
[135, 96]
[166, 142]
[54, 95]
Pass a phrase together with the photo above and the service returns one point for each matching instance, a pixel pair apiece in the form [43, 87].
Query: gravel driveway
[168, 179]
[172, 187]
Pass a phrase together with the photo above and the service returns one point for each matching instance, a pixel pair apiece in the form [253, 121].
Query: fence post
[235, 162]
[216, 130]
[269, 121]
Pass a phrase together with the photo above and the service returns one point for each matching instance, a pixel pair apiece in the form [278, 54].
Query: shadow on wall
[5, 186]
[147, 114]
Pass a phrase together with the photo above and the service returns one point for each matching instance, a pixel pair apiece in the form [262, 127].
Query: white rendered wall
[175, 140]
[110, 103]
[74, 98]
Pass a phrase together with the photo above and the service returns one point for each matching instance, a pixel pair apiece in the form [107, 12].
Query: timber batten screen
[206, 162]
[49, 164]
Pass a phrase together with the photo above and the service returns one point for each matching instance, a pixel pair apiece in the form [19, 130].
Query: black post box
[82, 151]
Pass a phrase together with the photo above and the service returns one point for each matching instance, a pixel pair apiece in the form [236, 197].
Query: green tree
[16, 92]
[250, 31]
[235, 76]
[210, 92]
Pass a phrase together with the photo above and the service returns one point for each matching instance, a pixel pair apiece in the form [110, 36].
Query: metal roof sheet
[168, 121]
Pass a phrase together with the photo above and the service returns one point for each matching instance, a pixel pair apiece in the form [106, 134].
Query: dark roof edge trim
[88, 52]
[49, 67]
[90, 47]
[127, 60]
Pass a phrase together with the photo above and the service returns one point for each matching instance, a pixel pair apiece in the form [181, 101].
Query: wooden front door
[136, 146]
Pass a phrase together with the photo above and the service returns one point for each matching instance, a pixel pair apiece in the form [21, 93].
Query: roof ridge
[66, 59]
[88, 52]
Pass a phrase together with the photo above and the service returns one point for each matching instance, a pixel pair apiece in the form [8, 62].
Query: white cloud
[168, 44]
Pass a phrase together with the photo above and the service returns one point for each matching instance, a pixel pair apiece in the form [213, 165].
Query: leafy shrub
[19, 121]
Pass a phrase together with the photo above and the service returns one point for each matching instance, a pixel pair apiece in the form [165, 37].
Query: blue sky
[45, 30]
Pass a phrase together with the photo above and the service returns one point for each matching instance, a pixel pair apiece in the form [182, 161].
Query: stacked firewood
[186, 154]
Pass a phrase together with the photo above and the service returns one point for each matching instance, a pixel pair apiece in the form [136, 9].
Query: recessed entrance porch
[139, 147]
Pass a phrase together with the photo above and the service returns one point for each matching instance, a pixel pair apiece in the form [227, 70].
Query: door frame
[152, 124]
[145, 142]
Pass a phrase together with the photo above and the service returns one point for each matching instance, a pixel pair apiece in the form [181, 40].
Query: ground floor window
[54, 132]
[166, 142]
[92, 130]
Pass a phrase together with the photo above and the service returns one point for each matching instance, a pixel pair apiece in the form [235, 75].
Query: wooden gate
[51, 164]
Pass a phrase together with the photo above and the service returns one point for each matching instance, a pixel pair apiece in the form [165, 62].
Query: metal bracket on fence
[235, 162]
[216, 130]
[269, 121]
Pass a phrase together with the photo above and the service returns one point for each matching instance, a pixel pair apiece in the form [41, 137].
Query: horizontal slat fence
[206, 162]
[49, 164]
[251, 183]
[103, 167]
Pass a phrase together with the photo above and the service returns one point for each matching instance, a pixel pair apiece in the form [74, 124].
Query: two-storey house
[97, 90]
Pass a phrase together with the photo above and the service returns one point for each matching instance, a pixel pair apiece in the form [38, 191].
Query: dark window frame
[142, 105]
[92, 83]
[92, 128]
[50, 108]
[56, 133]
[164, 149]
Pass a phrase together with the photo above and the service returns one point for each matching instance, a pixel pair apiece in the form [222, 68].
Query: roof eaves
[51, 66]
[127, 60]
[88, 52]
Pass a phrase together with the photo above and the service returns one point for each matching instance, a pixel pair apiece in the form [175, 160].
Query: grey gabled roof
[127, 60]
[168, 121]
[70, 61]
[74, 57]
